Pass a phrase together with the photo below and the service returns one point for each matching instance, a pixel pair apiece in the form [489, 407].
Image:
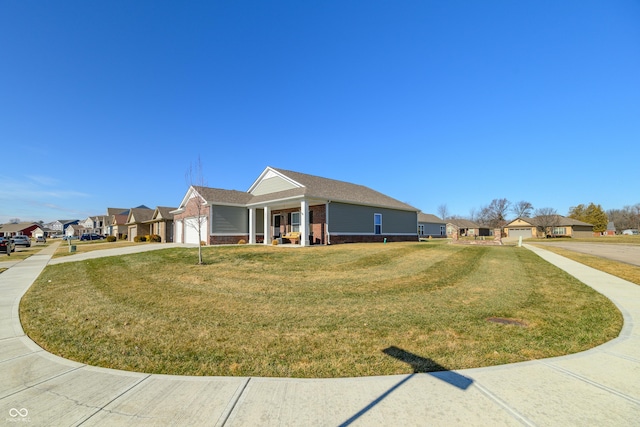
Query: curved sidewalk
[597, 387]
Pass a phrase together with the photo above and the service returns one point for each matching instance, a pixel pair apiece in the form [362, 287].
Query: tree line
[497, 214]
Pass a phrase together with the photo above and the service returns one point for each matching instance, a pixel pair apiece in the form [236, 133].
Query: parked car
[91, 236]
[631, 232]
[7, 245]
[69, 237]
[21, 241]
[41, 239]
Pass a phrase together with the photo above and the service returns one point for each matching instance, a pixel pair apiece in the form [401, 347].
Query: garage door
[520, 232]
[191, 230]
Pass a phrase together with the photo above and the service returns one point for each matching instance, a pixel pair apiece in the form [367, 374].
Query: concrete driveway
[623, 253]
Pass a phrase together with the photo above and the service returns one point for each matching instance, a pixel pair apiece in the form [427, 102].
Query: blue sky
[107, 104]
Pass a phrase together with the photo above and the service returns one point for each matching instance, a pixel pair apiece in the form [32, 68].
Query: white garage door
[191, 230]
[517, 232]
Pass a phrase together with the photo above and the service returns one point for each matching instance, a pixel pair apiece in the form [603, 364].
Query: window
[295, 221]
[443, 230]
[559, 231]
[377, 223]
[421, 230]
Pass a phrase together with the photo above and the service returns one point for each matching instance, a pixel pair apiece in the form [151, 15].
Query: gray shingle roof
[423, 217]
[314, 187]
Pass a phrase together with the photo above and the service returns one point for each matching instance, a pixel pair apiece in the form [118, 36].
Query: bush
[111, 238]
[242, 242]
[155, 238]
[138, 239]
[274, 242]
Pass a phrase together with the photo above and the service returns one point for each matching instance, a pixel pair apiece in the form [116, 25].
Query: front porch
[282, 218]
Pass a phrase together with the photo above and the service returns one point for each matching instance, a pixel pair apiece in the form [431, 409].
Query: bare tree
[14, 221]
[443, 211]
[195, 179]
[546, 219]
[495, 215]
[522, 209]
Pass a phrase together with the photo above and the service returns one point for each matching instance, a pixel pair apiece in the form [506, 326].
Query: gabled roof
[560, 221]
[115, 211]
[14, 228]
[312, 186]
[464, 223]
[139, 215]
[162, 213]
[423, 217]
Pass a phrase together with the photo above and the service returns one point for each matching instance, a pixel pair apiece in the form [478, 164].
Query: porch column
[252, 226]
[267, 225]
[304, 223]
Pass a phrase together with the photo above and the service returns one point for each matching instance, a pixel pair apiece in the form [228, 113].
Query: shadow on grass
[419, 365]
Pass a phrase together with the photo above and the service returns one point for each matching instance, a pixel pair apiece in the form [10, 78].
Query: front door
[276, 226]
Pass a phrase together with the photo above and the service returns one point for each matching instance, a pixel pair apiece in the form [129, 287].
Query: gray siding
[272, 185]
[230, 220]
[433, 229]
[347, 218]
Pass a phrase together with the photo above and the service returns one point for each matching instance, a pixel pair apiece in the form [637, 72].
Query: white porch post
[252, 226]
[267, 225]
[304, 223]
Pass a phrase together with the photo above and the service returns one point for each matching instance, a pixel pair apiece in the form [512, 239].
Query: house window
[377, 223]
[295, 221]
[421, 230]
[559, 231]
[443, 230]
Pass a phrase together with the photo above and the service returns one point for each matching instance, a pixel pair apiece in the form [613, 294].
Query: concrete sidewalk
[597, 387]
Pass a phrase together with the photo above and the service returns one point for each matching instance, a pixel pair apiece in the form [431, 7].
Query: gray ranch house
[282, 203]
[430, 225]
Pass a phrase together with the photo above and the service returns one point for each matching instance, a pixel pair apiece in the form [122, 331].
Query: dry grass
[620, 269]
[313, 312]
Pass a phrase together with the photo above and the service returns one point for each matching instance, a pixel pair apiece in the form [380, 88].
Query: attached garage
[178, 231]
[191, 228]
[525, 233]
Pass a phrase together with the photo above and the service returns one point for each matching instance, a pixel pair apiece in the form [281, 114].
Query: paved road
[596, 387]
[624, 253]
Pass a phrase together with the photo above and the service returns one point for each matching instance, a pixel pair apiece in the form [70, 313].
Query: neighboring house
[610, 231]
[95, 224]
[138, 222]
[116, 222]
[324, 211]
[541, 227]
[76, 230]
[59, 226]
[19, 229]
[431, 226]
[466, 228]
[161, 223]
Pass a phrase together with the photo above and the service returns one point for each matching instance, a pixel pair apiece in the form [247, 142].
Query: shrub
[274, 242]
[203, 243]
[138, 239]
[242, 242]
[111, 238]
[155, 238]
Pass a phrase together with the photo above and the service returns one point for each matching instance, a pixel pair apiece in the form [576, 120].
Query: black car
[7, 245]
[92, 236]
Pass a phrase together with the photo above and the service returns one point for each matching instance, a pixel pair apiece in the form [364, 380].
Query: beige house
[139, 222]
[466, 228]
[161, 223]
[549, 226]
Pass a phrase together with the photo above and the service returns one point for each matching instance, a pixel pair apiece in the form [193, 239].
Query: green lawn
[313, 312]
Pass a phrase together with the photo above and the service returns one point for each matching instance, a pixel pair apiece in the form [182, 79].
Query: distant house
[431, 226]
[541, 227]
[466, 228]
[76, 230]
[139, 222]
[161, 223]
[59, 226]
[610, 231]
[317, 210]
[19, 229]
[116, 222]
[95, 224]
